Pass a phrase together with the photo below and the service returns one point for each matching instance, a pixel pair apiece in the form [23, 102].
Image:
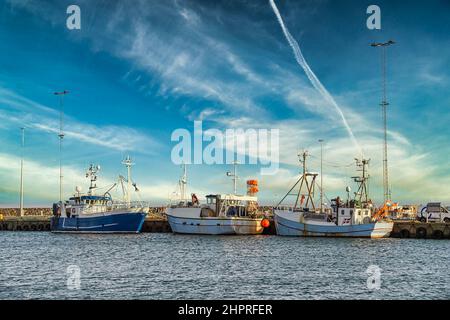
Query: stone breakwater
[15, 212]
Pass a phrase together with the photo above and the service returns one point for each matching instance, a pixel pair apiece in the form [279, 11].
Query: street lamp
[61, 95]
[321, 175]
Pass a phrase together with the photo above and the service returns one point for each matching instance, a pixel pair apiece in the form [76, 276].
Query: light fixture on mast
[234, 175]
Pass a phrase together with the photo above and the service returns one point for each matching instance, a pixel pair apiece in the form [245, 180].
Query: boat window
[231, 212]
[207, 212]
[351, 212]
[359, 212]
[342, 211]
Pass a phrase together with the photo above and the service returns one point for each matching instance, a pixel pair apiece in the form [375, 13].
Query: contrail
[311, 76]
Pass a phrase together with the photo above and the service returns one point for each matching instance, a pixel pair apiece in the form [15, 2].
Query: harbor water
[40, 265]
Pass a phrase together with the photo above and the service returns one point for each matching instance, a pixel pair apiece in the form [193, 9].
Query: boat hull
[120, 222]
[216, 225]
[288, 224]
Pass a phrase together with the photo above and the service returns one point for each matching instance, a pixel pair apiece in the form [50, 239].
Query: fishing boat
[222, 214]
[99, 213]
[356, 218]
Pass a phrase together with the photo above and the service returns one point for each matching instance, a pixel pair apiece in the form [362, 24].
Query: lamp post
[61, 95]
[21, 212]
[235, 176]
[321, 175]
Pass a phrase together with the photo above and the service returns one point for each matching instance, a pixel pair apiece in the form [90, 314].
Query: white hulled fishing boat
[353, 218]
[222, 214]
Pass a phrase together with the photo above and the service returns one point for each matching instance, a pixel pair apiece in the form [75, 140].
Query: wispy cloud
[25, 112]
[47, 177]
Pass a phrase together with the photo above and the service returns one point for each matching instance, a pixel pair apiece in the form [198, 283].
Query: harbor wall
[421, 230]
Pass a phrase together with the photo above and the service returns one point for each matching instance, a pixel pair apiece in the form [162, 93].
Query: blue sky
[137, 70]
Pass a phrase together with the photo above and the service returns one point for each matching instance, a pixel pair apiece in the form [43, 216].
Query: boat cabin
[229, 205]
[86, 204]
[350, 213]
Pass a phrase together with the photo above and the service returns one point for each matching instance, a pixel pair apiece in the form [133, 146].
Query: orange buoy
[265, 223]
[252, 187]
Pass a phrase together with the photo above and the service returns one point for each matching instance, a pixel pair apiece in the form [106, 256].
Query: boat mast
[21, 172]
[92, 174]
[234, 175]
[303, 181]
[61, 95]
[128, 163]
[362, 181]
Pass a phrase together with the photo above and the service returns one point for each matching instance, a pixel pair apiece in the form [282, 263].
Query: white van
[434, 212]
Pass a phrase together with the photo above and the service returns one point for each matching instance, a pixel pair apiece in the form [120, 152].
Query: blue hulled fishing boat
[92, 213]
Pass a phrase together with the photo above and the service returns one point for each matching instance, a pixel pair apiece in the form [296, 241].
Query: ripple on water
[168, 266]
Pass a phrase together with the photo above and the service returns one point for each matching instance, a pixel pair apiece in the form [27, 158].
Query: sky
[138, 70]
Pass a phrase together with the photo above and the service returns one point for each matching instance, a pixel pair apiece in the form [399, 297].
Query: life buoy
[404, 233]
[438, 234]
[265, 223]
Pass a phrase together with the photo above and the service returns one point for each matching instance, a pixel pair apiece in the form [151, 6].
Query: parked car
[434, 212]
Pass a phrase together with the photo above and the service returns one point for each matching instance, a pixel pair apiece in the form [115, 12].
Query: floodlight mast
[384, 104]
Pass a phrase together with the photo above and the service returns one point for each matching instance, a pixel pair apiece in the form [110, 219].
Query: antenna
[61, 95]
[92, 174]
[234, 175]
[21, 212]
[128, 163]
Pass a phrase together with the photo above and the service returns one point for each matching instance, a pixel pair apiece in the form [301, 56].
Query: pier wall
[27, 223]
[421, 230]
